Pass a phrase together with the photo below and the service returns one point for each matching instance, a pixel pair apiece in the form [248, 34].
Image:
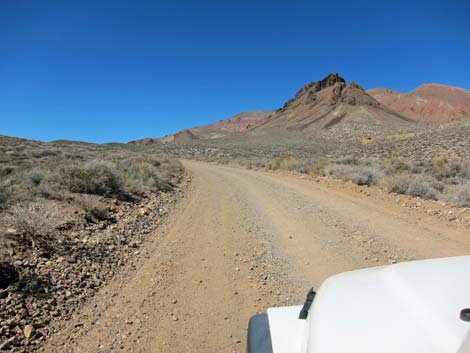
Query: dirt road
[239, 242]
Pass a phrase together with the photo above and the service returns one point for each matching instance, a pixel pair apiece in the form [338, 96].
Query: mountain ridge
[427, 102]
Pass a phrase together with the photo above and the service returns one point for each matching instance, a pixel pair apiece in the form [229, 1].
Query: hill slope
[326, 103]
[236, 124]
[428, 102]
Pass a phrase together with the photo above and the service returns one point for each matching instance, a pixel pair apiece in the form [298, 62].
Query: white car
[413, 307]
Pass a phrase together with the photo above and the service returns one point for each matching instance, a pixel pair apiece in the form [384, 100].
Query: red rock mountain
[329, 102]
[428, 102]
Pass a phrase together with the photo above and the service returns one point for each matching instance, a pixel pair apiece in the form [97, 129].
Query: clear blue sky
[121, 70]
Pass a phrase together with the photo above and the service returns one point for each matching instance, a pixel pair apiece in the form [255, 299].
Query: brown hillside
[234, 125]
[323, 104]
[179, 137]
[428, 102]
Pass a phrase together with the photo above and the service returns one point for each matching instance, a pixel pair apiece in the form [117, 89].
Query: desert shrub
[95, 214]
[6, 170]
[415, 185]
[4, 195]
[36, 176]
[459, 195]
[358, 174]
[348, 160]
[95, 177]
[443, 168]
[35, 220]
[317, 168]
[421, 187]
[170, 168]
[290, 163]
[396, 183]
[395, 166]
[50, 188]
[142, 176]
[147, 174]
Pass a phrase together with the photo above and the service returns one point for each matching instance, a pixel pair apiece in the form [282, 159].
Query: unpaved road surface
[239, 242]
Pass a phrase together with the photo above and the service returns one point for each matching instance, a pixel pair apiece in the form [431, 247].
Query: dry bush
[396, 183]
[415, 185]
[36, 176]
[395, 166]
[422, 187]
[35, 220]
[349, 160]
[4, 195]
[443, 168]
[289, 163]
[95, 214]
[318, 168]
[95, 177]
[459, 195]
[358, 174]
[149, 174]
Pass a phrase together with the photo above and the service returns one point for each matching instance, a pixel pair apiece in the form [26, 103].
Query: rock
[451, 217]
[28, 331]
[8, 343]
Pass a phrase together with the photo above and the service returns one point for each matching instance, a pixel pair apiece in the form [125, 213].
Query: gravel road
[239, 242]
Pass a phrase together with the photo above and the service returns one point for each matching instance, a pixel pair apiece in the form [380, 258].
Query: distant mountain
[179, 137]
[428, 102]
[329, 102]
[236, 124]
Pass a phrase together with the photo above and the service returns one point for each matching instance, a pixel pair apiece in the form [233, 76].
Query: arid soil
[241, 241]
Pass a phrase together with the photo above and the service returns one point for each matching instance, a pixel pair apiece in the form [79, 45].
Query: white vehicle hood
[404, 308]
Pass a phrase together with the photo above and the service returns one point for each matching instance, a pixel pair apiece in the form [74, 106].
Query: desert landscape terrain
[170, 244]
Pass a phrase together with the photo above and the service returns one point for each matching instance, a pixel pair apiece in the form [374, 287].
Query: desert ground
[243, 241]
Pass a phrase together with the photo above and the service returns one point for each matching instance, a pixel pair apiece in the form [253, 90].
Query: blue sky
[120, 70]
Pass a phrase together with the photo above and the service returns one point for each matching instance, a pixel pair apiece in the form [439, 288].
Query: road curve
[239, 242]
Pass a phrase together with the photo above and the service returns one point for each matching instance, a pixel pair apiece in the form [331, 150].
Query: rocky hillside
[236, 124]
[428, 102]
[179, 137]
[329, 102]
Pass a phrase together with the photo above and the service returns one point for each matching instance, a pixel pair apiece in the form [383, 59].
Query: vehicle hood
[409, 307]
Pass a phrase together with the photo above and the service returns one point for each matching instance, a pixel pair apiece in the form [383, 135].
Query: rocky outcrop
[328, 102]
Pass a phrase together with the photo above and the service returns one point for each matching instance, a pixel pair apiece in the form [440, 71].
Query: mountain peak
[328, 81]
